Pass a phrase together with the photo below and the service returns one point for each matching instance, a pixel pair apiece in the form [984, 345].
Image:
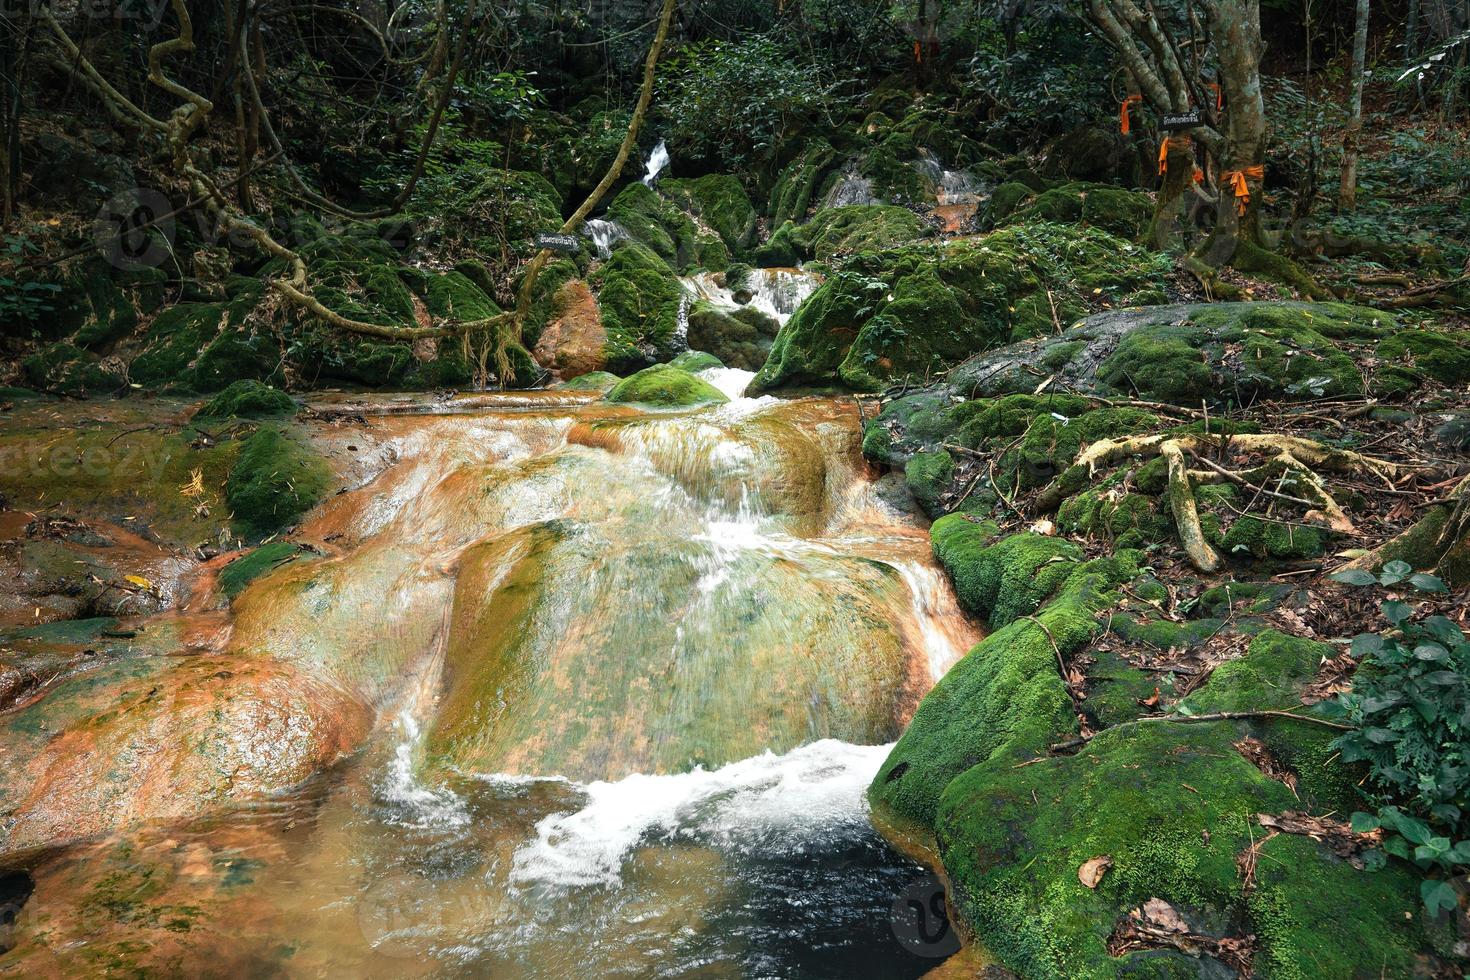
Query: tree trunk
[1347, 188]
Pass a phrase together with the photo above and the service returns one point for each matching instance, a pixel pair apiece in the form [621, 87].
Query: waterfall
[950, 186]
[852, 188]
[604, 234]
[778, 293]
[657, 161]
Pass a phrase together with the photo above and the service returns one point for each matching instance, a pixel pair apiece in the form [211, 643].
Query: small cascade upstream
[633, 670]
[604, 234]
[851, 188]
[778, 293]
[657, 161]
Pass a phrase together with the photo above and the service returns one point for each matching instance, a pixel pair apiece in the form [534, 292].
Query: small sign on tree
[559, 243]
[1174, 121]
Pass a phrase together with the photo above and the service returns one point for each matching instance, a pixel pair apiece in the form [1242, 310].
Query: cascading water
[604, 234]
[634, 672]
[657, 161]
[851, 188]
[778, 293]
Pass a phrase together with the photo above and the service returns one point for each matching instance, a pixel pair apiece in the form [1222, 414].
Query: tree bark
[1347, 188]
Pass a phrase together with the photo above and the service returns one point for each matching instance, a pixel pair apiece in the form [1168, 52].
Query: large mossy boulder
[720, 203]
[838, 231]
[66, 369]
[740, 338]
[247, 399]
[1227, 353]
[1172, 807]
[658, 223]
[918, 310]
[275, 480]
[665, 386]
[796, 189]
[640, 299]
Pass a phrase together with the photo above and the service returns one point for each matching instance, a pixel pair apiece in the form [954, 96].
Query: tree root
[1293, 461]
[1081, 740]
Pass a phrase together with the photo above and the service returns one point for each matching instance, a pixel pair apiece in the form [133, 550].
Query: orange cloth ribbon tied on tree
[1237, 181]
[1219, 95]
[1180, 144]
[1123, 112]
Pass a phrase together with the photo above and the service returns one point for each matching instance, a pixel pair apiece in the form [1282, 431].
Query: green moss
[785, 247]
[695, 361]
[592, 381]
[1243, 351]
[1129, 520]
[1417, 354]
[1004, 700]
[655, 222]
[666, 386]
[740, 338]
[918, 309]
[1156, 366]
[1262, 538]
[1001, 580]
[68, 370]
[1060, 204]
[274, 482]
[640, 299]
[247, 399]
[720, 203]
[859, 228]
[1122, 212]
[235, 576]
[1172, 806]
[1003, 202]
[791, 197]
[928, 475]
[1241, 598]
[1270, 676]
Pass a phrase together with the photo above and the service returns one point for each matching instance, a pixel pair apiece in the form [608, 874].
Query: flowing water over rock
[604, 234]
[776, 292]
[589, 691]
[657, 161]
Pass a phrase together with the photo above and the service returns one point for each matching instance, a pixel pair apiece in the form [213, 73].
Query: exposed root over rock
[1292, 462]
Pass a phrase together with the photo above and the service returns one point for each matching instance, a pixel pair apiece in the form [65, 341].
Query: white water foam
[657, 161]
[413, 803]
[731, 381]
[767, 804]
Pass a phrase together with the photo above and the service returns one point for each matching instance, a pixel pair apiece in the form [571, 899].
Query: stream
[631, 671]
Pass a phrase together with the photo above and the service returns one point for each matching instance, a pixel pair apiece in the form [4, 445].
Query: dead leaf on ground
[1093, 869]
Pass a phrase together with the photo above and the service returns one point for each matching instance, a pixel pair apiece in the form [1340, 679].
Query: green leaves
[1410, 706]
[1354, 576]
[1393, 573]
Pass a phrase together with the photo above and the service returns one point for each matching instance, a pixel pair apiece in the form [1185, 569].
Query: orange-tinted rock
[572, 343]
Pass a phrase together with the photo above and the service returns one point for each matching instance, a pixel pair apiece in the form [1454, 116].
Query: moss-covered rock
[740, 338]
[665, 386]
[591, 381]
[917, 310]
[720, 202]
[640, 299]
[247, 399]
[275, 480]
[235, 576]
[795, 190]
[673, 235]
[68, 370]
[1004, 700]
[1410, 356]
[695, 361]
[1172, 807]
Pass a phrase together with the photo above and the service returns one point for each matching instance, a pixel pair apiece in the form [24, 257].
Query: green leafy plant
[22, 300]
[1410, 712]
